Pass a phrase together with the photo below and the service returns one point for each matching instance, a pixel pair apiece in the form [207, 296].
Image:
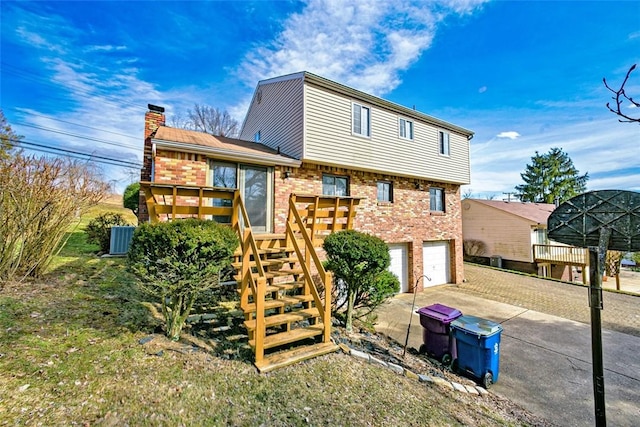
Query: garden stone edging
[451, 385]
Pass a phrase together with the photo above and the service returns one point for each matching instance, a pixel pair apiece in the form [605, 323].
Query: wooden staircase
[285, 293]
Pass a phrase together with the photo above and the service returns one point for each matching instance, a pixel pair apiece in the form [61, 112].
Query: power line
[69, 86]
[89, 138]
[73, 153]
[78, 124]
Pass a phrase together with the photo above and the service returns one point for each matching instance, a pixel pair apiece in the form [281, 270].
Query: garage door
[398, 253]
[435, 263]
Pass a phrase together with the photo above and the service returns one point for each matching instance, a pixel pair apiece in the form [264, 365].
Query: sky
[525, 76]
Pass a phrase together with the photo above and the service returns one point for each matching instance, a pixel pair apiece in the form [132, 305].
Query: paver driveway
[545, 362]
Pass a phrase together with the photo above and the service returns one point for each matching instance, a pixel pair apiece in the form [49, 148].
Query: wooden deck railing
[169, 202]
[561, 254]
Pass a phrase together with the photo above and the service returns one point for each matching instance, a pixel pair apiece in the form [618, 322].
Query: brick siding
[406, 220]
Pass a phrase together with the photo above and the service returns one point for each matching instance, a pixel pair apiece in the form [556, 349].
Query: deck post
[260, 330]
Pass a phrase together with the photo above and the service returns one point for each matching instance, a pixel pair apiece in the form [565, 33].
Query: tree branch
[620, 97]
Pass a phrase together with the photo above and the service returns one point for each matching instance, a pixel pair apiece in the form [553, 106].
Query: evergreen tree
[550, 177]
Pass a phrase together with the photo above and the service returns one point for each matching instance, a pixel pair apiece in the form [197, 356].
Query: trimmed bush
[99, 229]
[131, 197]
[178, 260]
[359, 262]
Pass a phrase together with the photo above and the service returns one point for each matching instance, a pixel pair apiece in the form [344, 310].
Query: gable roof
[371, 99]
[536, 212]
[220, 147]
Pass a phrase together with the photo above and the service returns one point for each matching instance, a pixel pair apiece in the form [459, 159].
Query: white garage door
[435, 263]
[398, 253]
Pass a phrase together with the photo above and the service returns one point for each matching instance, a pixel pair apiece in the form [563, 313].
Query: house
[310, 135]
[513, 235]
[316, 155]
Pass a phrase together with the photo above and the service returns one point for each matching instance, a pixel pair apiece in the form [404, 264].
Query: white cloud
[483, 89]
[508, 134]
[105, 48]
[363, 44]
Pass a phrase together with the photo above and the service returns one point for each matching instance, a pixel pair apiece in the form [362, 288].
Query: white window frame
[444, 143]
[436, 197]
[389, 193]
[364, 131]
[403, 124]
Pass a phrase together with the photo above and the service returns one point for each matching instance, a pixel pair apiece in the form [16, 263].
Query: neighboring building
[310, 135]
[513, 235]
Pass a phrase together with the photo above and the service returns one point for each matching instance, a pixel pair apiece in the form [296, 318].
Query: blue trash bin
[477, 343]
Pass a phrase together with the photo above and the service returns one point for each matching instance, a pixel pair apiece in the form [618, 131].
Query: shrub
[40, 198]
[131, 197]
[178, 260]
[99, 229]
[359, 263]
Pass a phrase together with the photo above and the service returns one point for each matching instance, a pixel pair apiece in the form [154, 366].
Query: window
[335, 185]
[444, 143]
[385, 191]
[541, 236]
[406, 129]
[223, 175]
[256, 137]
[436, 199]
[361, 120]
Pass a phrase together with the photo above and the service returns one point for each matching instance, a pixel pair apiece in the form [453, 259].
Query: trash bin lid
[476, 325]
[440, 312]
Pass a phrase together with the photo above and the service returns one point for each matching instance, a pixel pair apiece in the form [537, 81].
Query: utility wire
[77, 124]
[80, 158]
[11, 69]
[89, 138]
[73, 153]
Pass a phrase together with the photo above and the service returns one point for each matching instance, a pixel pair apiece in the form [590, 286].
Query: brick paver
[621, 312]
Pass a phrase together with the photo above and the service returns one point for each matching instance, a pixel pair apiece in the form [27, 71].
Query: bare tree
[207, 119]
[620, 96]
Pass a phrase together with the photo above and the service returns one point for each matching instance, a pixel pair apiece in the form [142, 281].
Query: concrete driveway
[545, 362]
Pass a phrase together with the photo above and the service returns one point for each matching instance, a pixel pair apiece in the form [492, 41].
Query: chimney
[153, 119]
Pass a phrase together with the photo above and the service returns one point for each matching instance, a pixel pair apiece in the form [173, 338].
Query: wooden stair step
[281, 319]
[274, 274]
[267, 262]
[265, 251]
[282, 301]
[298, 354]
[289, 286]
[276, 340]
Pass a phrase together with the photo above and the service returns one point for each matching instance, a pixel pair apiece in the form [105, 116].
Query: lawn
[82, 346]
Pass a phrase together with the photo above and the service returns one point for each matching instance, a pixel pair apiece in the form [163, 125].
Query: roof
[219, 146]
[351, 92]
[536, 212]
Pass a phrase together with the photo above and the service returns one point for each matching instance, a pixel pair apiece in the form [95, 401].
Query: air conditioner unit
[120, 239]
[496, 261]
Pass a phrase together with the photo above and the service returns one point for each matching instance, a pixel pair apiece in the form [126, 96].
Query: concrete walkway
[545, 363]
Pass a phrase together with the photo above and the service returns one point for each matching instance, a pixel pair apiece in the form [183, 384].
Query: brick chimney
[153, 119]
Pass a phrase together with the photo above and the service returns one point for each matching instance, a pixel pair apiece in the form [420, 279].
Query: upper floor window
[436, 199]
[256, 137]
[385, 191]
[333, 185]
[444, 142]
[361, 120]
[406, 129]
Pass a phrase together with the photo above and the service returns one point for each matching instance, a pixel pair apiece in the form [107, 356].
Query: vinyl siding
[278, 116]
[504, 234]
[329, 140]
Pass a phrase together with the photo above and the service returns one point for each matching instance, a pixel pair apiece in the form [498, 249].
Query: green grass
[70, 354]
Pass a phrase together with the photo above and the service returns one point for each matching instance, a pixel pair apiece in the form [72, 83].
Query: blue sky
[526, 76]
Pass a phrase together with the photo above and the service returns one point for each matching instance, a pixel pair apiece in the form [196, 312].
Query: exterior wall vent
[496, 261]
[120, 239]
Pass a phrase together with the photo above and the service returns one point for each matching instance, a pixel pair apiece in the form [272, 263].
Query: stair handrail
[257, 283]
[326, 276]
